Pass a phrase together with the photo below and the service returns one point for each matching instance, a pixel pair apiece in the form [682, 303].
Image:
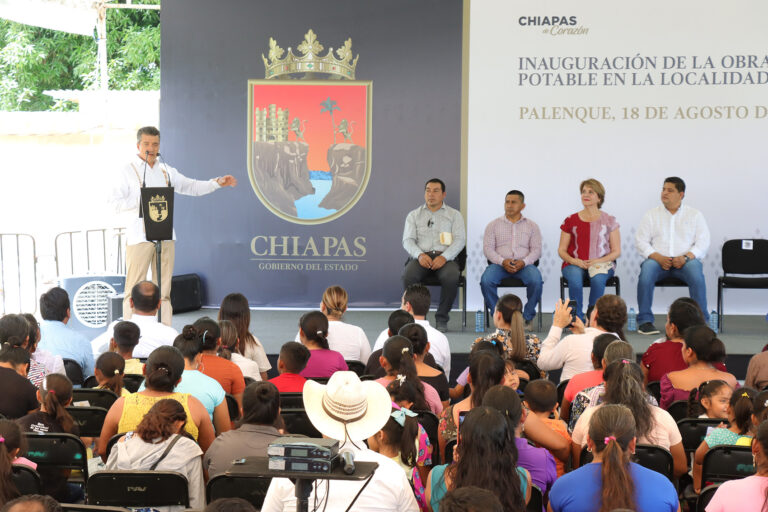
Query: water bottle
[632, 321]
[713, 321]
[479, 321]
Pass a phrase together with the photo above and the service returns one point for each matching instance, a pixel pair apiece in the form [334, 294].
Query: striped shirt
[673, 235]
[505, 239]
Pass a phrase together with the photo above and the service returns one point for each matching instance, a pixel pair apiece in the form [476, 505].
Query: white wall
[722, 161]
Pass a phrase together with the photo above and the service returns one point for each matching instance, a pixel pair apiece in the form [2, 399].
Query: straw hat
[347, 407]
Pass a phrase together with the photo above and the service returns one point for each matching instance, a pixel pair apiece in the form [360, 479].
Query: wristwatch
[686, 258]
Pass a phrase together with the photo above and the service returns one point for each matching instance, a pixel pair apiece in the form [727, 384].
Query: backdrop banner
[332, 114]
[628, 94]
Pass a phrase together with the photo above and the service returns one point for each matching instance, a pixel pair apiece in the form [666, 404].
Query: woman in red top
[590, 243]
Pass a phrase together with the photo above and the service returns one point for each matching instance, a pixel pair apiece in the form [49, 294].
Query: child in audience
[759, 408]
[15, 443]
[313, 333]
[397, 359]
[399, 440]
[458, 391]
[541, 399]
[14, 332]
[230, 343]
[292, 360]
[226, 372]
[125, 337]
[109, 371]
[55, 394]
[511, 378]
[740, 418]
[710, 400]
[8, 490]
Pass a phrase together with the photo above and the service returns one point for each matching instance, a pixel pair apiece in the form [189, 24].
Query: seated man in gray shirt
[261, 405]
[433, 236]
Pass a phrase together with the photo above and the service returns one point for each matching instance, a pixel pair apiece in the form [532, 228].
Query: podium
[157, 210]
[259, 466]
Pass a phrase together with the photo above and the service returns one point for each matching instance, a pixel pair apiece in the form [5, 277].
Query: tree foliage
[33, 59]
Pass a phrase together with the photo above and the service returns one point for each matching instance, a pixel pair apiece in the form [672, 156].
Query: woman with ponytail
[10, 440]
[227, 373]
[234, 307]
[15, 330]
[702, 350]
[611, 481]
[313, 334]
[163, 371]
[53, 363]
[160, 443]
[750, 493]
[230, 350]
[397, 360]
[432, 376]
[14, 364]
[347, 339]
[653, 425]
[486, 457]
[109, 371]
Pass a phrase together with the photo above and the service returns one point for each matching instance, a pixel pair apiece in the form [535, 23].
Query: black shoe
[648, 328]
[442, 326]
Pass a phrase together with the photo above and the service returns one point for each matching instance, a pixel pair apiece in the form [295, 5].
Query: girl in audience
[511, 378]
[397, 360]
[55, 394]
[590, 243]
[624, 386]
[432, 376]
[539, 462]
[347, 339]
[15, 443]
[226, 372]
[400, 440]
[52, 363]
[160, 443]
[740, 419]
[229, 350]
[163, 372]
[14, 362]
[521, 348]
[14, 330]
[9, 448]
[486, 457]
[313, 333]
[701, 349]
[611, 481]
[109, 370]
[234, 307]
[759, 409]
[405, 393]
[710, 400]
[459, 390]
[667, 356]
[746, 494]
[486, 369]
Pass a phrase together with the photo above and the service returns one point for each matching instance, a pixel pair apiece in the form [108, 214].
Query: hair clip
[765, 404]
[2, 439]
[52, 391]
[204, 333]
[609, 439]
[405, 350]
[625, 361]
[400, 414]
[117, 372]
[401, 379]
[745, 394]
[319, 333]
[492, 341]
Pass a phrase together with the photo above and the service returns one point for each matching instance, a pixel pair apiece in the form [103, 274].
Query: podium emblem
[158, 208]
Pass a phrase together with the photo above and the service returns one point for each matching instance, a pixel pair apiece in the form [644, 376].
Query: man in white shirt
[415, 301]
[146, 170]
[673, 238]
[144, 301]
[349, 411]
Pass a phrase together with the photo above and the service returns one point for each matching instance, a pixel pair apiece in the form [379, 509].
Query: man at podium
[144, 170]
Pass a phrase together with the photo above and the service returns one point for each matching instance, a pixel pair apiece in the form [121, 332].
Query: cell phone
[462, 415]
[572, 305]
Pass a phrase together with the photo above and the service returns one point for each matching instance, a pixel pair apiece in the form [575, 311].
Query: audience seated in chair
[541, 399]
[701, 349]
[624, 386]
[426, 373]
[261, 406]
[397, 360]
[164, 369]
[234, 307]
[56, 337]
[124, 340]
[229, 349]
[292, 360]
[313, 333]
[14, 362]
[582, 381]
[16, 332]
[109, 371]
[573, 353]
[52, 362]
[710, 400]
[612, 482]
[347, 339]
[147, 448]
[227, 373]
[397, 319]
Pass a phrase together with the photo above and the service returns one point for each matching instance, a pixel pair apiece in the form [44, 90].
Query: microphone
[430, 223]
[348, 462]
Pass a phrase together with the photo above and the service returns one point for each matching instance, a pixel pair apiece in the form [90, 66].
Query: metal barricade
[18, 273]
[89, 251]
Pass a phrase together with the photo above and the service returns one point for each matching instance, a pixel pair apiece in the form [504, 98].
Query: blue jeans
[651, 272]
[575, 277]
[529, 275]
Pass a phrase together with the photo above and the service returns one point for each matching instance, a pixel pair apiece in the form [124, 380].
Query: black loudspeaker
[89, 298]
[186, 293]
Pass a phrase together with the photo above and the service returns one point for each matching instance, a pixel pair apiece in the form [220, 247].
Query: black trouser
[447, 275]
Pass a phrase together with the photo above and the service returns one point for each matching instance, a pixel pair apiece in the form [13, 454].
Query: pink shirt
[750, 492]
[323, 363]
[25, 462]
[430, 394]
[505, 239]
